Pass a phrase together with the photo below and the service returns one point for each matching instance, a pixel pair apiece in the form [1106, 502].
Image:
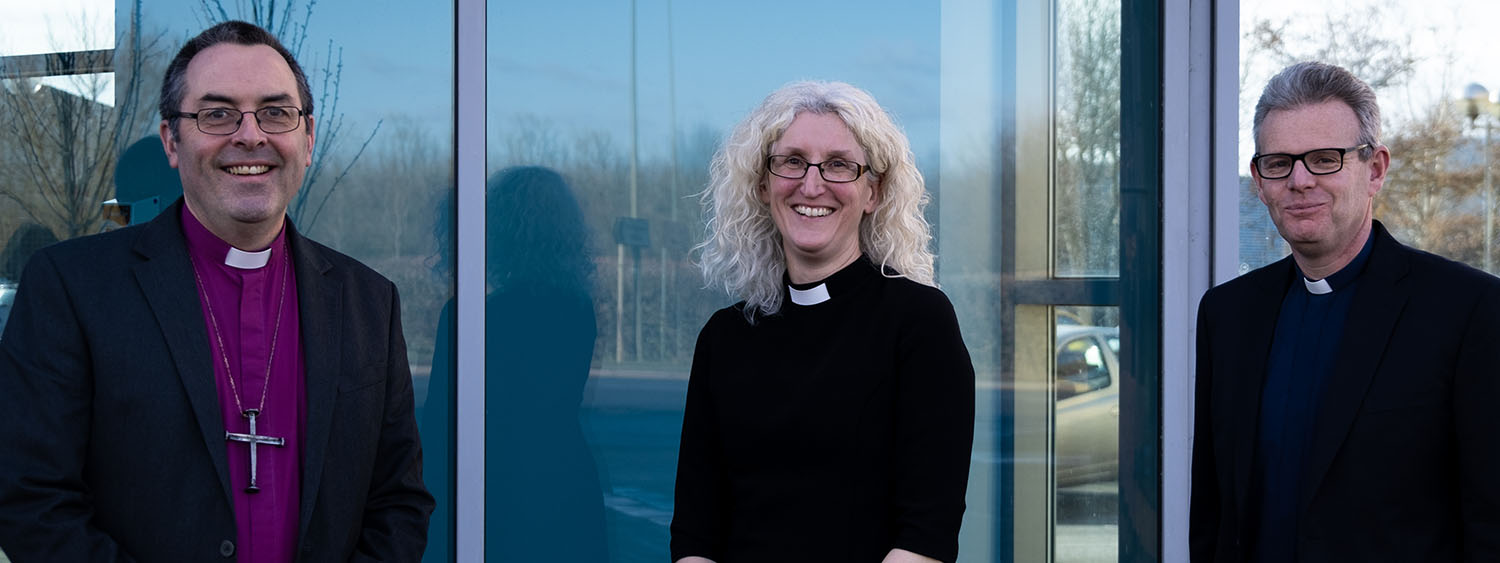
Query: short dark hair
[174, 86]
[1311, 82]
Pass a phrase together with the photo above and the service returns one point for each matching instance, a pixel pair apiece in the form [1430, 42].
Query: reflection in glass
[26, 240]
[542, 495]
[59, 138]
[1086, 369]
[1086, 222]
[1013, 109]
[23, 242]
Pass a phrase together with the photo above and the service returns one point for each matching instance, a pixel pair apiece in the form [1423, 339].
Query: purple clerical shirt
[243, 291]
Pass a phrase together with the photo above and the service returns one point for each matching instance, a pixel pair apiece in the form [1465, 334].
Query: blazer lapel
[1257, 330]
[166, 279]
[1378, 303]
[320, 310]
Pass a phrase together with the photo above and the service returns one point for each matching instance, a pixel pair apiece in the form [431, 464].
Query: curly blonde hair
[743, 252]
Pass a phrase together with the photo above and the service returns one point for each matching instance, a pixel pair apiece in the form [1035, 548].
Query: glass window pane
[626, 146]
[59, 26]
[54, 161]
[56, 165]
[1087, 421]
[632, 145]
[1086, 219]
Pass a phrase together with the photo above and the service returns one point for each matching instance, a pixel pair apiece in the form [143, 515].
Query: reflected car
[1088, 404]
[7, 296]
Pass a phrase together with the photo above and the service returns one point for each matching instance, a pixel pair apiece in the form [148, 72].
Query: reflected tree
[596, 165]
[1087, 195]
[57, 160]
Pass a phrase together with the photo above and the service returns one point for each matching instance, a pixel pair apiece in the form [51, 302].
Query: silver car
[1088, 404]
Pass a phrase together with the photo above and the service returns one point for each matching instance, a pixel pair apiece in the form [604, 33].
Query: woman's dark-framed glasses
[225, 121]
[1320, 162]
[835, 170]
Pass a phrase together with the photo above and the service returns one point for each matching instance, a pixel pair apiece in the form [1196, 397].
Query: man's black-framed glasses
[225, 121]
[1320, 162]
[835, 170]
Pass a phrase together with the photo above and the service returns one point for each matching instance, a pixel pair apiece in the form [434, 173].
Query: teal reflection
[542, 495]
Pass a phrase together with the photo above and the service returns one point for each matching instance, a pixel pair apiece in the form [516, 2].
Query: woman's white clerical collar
[1319, 287]
[817, 294]
[237, 258]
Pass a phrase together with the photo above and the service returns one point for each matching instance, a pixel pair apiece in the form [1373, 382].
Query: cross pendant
[253, 439]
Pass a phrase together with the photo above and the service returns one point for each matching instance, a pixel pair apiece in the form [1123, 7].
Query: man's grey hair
[1309, 83]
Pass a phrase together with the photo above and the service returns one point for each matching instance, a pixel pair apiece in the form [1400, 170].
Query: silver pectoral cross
[253, 439]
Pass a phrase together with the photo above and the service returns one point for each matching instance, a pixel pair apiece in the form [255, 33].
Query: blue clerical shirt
[1303, 354]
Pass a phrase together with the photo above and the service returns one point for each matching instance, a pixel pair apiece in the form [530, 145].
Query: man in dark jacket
[1346, 394]
[211, 385]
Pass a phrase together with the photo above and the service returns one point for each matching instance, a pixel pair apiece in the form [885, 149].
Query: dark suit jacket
[1404, 458]
[113, 445]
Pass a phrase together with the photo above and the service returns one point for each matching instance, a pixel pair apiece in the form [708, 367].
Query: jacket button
[226, 548]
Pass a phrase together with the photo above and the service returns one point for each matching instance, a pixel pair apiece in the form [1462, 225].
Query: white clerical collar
[237, 258]
[1319, 287]
[814, 296]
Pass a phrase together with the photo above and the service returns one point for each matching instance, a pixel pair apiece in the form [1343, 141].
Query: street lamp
[1478, 102]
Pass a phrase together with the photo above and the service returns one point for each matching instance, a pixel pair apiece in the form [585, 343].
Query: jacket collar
[165, 276]
[1377, 305]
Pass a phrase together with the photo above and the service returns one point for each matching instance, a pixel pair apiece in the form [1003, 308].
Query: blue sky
[568, 61]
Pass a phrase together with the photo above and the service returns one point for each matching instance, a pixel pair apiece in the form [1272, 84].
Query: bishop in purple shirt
[258, 369]
[212, 385]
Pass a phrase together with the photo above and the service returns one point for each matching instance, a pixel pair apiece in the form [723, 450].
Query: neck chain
[224, 352]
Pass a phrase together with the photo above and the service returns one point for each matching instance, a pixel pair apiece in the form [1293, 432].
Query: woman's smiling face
[819, 220]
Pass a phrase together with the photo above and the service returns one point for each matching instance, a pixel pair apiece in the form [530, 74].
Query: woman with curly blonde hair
[830, 413]
[743, 252]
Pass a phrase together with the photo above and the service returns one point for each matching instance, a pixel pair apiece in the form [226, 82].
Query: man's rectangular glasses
[225, 121]
[1320, 162]
[836, 170]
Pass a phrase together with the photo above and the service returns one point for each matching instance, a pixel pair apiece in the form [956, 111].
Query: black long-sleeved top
[829, 432]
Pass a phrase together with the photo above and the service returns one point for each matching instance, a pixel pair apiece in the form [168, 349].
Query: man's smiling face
[242, 182]
[1322, 217]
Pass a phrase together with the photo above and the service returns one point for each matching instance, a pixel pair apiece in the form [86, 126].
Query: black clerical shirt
[835, 430]
[1303, 354]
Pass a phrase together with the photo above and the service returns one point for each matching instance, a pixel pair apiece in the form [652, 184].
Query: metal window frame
[1147, 309]
[1142, 50]
[1199, 207]
[469, 143]
[57, 64]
